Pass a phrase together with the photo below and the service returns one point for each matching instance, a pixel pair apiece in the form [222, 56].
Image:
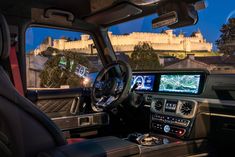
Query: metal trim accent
[178, 112]
[218, 115]
[91, 120]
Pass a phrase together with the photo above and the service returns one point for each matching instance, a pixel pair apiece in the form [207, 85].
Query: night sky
[210, 21]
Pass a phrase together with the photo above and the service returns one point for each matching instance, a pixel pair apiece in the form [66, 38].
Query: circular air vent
[158, 105]
[186, 108]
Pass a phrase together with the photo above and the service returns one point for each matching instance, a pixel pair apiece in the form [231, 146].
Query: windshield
[210, 44]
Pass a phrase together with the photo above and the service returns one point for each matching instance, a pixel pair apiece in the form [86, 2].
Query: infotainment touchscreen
[144, 82]
[179, 83]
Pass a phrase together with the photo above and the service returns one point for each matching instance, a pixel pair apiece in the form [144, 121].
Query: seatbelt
[16, 70]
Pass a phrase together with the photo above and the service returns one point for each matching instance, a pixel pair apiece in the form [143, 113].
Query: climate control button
[169, 129]
[171, 120]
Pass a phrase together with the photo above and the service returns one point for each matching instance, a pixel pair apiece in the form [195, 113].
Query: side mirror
[175, 15]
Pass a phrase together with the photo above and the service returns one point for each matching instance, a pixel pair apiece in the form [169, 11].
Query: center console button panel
[172, 116]
[169, 129]
[171, 120]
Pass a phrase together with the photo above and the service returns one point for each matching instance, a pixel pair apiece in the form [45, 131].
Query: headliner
[80, 8]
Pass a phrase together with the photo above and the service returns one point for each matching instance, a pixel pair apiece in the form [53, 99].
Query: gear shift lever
[132, 137]
[147, 140]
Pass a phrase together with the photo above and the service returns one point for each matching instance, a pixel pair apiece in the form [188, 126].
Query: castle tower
[187, 45]
[199, 34]
[169, 32]
[170, 35]
[49, 41]
[59, 44]
[85, 37]
[110, 33]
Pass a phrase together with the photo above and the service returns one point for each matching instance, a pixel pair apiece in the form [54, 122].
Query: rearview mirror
[165, 20]
[175, 15]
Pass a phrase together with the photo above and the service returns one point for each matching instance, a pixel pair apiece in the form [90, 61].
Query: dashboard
[170, 113]
[169, 82]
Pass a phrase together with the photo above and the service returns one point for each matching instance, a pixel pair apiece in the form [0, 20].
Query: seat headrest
[5, 40]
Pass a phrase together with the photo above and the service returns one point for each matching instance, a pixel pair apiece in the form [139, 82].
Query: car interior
[114, 116]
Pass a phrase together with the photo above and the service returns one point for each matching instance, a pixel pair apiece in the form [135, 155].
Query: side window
[60, 59]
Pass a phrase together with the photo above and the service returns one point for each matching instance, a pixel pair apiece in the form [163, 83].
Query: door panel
[56, 107]
[70, 109]
[61, 102]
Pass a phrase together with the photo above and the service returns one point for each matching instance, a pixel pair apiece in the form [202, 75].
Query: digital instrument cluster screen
[180, 83]
[144, 82]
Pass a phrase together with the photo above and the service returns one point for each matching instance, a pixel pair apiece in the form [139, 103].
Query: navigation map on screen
[179, 83]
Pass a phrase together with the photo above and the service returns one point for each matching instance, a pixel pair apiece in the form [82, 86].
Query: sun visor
[114, 14]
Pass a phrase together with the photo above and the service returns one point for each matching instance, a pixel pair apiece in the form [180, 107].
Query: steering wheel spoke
[105, 101]
[120, 86]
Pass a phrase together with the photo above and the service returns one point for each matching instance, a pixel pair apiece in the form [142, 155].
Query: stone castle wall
[166, 41]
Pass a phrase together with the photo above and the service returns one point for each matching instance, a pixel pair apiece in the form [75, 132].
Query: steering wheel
[110, 87]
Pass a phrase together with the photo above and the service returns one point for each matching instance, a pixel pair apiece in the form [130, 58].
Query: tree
[144, 58]
[49, 52]
[54, 74]
[227, 38]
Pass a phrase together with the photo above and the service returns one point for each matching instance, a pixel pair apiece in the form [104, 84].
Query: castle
[166, 41]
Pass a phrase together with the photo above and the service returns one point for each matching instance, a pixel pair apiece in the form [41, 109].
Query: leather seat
[24, 130]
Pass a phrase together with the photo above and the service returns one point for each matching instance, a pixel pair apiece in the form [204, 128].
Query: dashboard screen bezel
[200, 87]
[203, 74]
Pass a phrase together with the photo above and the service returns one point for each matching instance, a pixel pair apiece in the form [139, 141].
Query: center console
[171, 121]
[169, 95]
[172, 116]
[153, 144]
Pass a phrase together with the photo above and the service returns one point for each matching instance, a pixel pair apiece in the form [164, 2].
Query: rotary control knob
[166, 128]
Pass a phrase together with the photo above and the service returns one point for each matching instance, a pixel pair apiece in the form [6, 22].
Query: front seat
[24, 130]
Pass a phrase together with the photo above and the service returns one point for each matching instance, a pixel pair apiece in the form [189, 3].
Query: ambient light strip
[219, 115]
[201, 100]
[199, 155]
